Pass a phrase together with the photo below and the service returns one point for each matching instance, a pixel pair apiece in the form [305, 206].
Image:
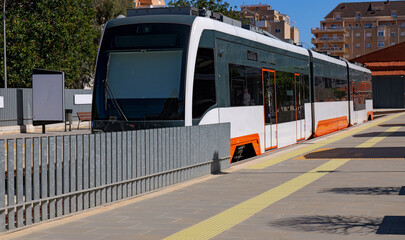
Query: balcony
[328, 40]
[331, 50]
[327, 30]
[262, 23]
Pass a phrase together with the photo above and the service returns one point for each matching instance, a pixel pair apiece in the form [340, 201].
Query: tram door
[270, 113]
[299, 106]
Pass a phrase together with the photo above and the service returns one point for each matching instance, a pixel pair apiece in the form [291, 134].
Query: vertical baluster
[109, 167]
[129, 163]
[114, 166]
[103, 167]
[92, 168]
[97, 169]
[28, 179]
[66, 173]
[86, 151]
[51, 157]
[79, 167]
[73, 198]
[59, 175]
[36, 186]
[20, 182]
[44, 178]
[134, 162]
[2, 189]
[119, 164]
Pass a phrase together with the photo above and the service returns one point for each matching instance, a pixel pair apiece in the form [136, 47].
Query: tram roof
[209, 24]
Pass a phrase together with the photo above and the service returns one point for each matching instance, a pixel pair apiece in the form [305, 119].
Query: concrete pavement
[347, 185]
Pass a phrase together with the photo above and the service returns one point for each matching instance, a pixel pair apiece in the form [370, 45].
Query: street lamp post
[5, 49]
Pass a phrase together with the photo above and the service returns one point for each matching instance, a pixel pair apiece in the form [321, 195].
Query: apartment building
[268, 19]
[358, 28]
[148, 3]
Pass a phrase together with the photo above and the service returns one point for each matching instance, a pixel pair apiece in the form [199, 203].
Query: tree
[50, 34]
[110, 9]
[212, 5]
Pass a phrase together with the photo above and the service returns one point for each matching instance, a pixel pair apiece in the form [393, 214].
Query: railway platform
[346, 185]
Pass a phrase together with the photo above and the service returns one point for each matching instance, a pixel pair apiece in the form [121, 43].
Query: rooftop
[368, 9]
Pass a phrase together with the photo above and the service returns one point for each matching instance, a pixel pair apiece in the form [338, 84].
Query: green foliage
[218, 6]
[110, 9]
[50, 34]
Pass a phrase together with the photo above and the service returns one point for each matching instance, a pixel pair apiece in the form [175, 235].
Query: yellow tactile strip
[276, 160]
[221, 222]
[229, 218]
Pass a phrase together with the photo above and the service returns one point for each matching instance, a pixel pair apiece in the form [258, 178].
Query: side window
[341, 90]
[204, 94]
[246, 87]
[285, 97]
[325, 89]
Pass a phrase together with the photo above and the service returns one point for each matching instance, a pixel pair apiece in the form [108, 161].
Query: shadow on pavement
[367, 190]
[343, 225]
[357, 153]
[392, 225]
[392, 125]
[381, 134]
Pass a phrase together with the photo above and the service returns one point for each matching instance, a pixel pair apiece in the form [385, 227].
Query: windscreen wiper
[114, 100]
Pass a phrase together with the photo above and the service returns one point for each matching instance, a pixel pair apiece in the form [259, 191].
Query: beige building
[358, 28]
[148, 3]
[268, 19]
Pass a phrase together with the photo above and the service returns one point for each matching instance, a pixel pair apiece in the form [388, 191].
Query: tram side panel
[331, 95]
[361, 103]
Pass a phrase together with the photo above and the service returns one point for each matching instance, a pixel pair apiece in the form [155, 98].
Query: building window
[393, 34]
[381, 33]
[402, 34]
[368, 45]
[347, 35]
[278, 30]
[387, 24]
[333, 26]
[368, 34]
[380, 44]
[368, 25]
[358, 35]
[357, 45]
[392, 44]
[394, 15]
[338, 16]
[347, 45]
[358, 16]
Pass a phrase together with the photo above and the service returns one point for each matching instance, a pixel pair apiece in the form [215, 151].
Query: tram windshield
[144, 72]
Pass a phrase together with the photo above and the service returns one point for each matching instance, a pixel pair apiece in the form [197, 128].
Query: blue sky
[305, 14]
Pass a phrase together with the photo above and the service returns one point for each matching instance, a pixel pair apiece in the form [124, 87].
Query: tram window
[246, 87]
[324, 89]
[285, 97]
[204, 95]
[306, 88]
[341, 90]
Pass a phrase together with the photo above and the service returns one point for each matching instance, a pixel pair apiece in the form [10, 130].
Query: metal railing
[50, 177]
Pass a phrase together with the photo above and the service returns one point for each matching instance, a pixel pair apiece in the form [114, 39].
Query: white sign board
[48, 96]
[81, 99]
[1, 102]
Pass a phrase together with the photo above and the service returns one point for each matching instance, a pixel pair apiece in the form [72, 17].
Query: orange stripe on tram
[331, 125]
[239, 141]
[370, 115]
